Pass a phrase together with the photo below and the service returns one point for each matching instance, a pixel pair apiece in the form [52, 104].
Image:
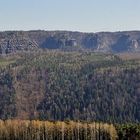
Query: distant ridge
[115, 42]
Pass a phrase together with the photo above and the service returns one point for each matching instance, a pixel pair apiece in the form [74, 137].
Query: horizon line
[62, 30]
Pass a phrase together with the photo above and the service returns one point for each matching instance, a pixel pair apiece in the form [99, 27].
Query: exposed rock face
[13, 41]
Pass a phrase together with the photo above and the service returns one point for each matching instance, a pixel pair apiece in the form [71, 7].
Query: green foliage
[128, 131]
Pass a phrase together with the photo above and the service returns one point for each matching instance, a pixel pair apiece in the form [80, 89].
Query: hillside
[56, 85]
[115, 42]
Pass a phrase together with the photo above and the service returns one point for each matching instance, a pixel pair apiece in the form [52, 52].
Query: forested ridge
[56, 85]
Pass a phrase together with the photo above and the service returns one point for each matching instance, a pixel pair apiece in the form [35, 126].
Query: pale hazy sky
[76, 15]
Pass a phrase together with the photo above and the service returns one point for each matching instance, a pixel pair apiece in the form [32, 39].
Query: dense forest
[58, 95]
[66, 130]
[55, 85]
[46, 130]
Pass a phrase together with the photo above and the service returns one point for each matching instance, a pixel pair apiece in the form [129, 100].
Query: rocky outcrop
[13, 41]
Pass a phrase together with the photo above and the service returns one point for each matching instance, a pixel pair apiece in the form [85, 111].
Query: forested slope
[57, 85]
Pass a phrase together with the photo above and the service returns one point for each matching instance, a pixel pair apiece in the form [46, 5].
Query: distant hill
[115, 42]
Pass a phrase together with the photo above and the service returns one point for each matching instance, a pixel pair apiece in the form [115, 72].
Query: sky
[74, 15]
